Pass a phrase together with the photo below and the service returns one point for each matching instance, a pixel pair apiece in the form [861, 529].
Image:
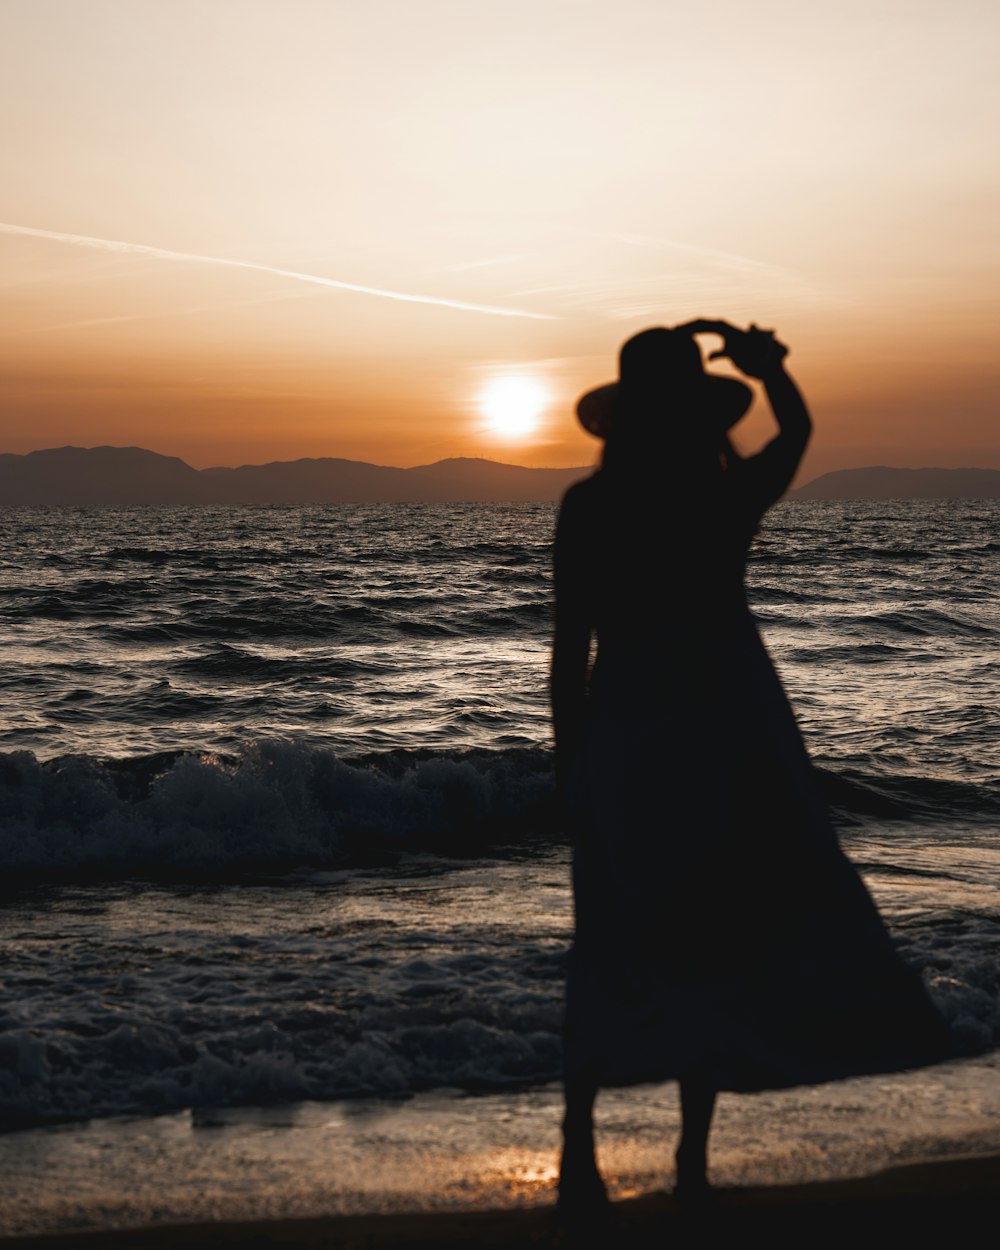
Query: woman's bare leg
[697, 1105]
[581, 1188]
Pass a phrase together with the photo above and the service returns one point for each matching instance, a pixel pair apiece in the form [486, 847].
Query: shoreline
[347, 1170]
[908, 1197]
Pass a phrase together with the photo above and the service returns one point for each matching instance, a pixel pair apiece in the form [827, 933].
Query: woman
[722, 938]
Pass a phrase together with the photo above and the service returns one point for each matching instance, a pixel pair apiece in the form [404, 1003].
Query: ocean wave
[224, 660]
[276, 804]
[270, 1018]
[154, 1021]
[846, 653]
[355, 623]
[854, 795]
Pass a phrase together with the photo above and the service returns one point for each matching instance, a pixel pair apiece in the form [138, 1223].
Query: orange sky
[574, 170]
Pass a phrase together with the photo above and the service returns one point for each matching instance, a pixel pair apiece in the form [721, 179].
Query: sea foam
[273, 803]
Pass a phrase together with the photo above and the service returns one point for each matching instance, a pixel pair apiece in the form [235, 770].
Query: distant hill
[97, 475]
[122, 476]
[880, 482]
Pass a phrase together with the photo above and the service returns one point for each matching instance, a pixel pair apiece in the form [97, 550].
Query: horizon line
[446, 459]
[510, 464]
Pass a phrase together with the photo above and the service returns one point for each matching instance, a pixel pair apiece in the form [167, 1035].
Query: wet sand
[370, 1172]
[917, 1200]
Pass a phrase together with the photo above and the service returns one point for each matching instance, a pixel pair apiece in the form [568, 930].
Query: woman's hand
[754, 352]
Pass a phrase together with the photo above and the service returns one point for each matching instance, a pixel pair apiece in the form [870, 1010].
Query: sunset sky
[192, 193]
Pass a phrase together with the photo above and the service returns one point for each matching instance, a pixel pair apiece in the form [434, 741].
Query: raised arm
[571, 643]
[776, 464]
[759, 354]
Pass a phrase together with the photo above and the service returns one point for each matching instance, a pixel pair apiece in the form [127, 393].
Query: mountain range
[131, 475]
[123, 476]
[881, 482]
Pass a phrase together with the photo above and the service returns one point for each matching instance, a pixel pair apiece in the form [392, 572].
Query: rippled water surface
[358, 627]
[369, 627]
[276, 798]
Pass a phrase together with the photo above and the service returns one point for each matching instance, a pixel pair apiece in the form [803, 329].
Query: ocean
[277, 822]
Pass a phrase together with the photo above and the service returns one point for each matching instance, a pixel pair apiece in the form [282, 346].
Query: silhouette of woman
[722, 937]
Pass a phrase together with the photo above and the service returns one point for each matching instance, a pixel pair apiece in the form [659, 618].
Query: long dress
[720, 930]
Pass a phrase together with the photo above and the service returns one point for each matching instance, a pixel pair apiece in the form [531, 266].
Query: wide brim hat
[662, 369]
[719, 401]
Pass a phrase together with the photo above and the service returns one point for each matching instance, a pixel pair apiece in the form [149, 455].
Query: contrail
[161, 253]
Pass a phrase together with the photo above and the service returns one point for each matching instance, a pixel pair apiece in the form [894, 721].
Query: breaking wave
[276, 804]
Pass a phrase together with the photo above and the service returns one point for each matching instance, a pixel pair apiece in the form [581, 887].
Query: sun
[512, 405]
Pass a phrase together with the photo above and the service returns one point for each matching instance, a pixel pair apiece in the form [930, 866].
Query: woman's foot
[583, 1207]
[583, 1196]
[691, 1187]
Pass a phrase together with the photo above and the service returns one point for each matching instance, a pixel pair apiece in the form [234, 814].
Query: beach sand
[914, 1201]
[903, 1154]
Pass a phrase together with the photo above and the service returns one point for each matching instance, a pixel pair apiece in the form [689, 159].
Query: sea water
[277, 822]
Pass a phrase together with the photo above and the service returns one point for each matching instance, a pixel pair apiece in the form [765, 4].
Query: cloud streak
[160, 253]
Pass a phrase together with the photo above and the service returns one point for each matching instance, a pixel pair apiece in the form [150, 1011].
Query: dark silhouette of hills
[98, 475]
[880, 482]
[109, 476]
[131, 475]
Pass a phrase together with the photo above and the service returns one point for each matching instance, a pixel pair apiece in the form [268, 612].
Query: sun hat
[642, 363]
